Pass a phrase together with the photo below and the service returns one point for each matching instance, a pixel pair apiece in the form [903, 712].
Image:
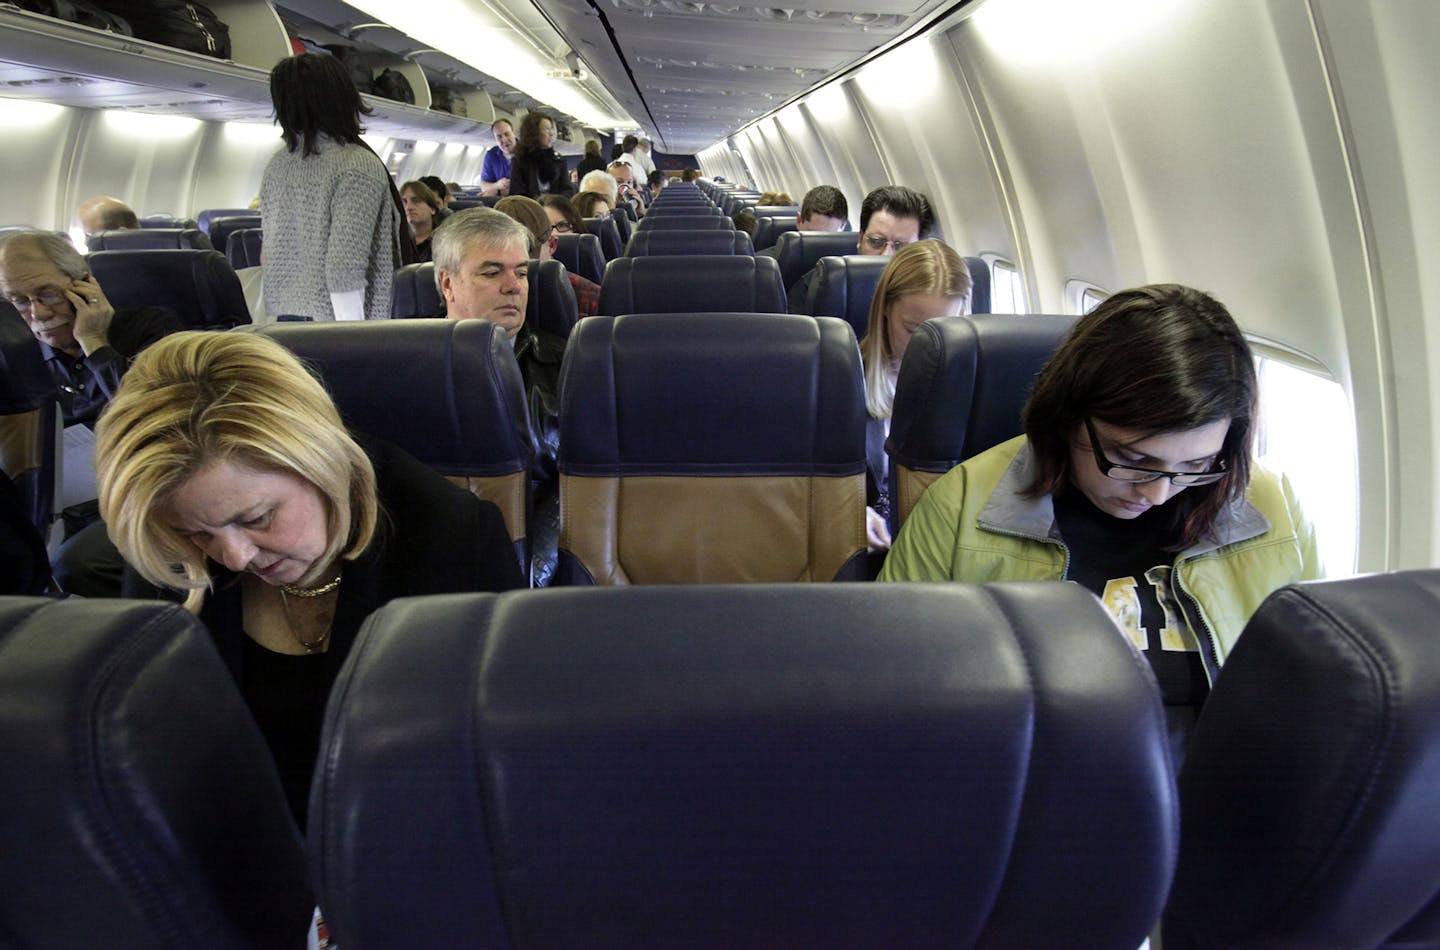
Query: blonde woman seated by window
[923, 280]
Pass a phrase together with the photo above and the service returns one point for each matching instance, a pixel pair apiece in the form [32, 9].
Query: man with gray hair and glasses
[482, 268]
[87, 345]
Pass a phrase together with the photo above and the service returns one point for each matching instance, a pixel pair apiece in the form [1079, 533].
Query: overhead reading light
[1048, 33]
[252, 132]
[145, 125]
[22, 113]
[451, 27]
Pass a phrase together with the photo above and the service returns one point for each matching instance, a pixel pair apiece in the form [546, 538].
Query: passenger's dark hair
[584, 204]
[900, 202]
[654, 179]
[423, 192]
[745, 221]
[562, 204]
[527, 140]
[592, 148]
[616, 151]
[827, 200]
[434, 183]
[312, 94]
[628, 143]
[1156, 359]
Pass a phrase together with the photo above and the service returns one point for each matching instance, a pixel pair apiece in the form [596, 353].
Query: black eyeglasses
[564, 227]
[1129, 473]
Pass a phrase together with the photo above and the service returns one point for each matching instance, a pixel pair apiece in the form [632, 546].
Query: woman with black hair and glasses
[1135, 479]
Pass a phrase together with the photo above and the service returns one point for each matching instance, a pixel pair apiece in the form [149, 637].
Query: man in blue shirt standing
[495, 173]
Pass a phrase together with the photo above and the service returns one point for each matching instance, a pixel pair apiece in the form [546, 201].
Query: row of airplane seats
[675, 402]
[550, 303]
[238, 238]
[611, 768]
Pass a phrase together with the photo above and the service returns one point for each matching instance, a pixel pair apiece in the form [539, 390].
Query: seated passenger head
[313, 94]
[656, 180]
[591, 204]
[745, 221]
[1154, 382]
[603, 183]
[482, 267]
[823, 209]
[223, 446]
[442, 191]
[562, 214]
[775, 199]
[530, 214]
[923, 280]
[892, 217]
[105, 214]
[421, 205]
[622, 173]
[504, 134]
[42, 275]
[690, 174]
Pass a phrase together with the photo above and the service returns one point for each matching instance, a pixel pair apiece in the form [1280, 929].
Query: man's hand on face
[93, 314]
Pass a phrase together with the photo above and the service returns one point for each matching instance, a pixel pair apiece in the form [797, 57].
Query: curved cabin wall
[1280, 155]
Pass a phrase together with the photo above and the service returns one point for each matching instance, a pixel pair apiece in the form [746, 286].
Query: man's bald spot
[106, 214]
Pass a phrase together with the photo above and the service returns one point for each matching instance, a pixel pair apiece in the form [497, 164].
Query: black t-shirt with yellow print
[1128, 565]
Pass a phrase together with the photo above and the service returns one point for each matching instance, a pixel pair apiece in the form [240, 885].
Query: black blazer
[527, 172]
[433, 538]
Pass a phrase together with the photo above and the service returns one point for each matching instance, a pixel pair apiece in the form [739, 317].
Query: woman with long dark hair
[332, 228]
[1134, 478]
[536, 169]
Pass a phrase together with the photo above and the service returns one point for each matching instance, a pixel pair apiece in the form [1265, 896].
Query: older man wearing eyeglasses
[87, 345]
[891, 217]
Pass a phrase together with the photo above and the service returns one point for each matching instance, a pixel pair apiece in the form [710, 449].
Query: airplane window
[1307, 431]
[1082, 297]
[1007, 290]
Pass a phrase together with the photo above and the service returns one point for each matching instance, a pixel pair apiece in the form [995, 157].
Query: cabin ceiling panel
[745, 58]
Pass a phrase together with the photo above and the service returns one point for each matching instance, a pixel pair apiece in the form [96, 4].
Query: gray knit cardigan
[331, 226]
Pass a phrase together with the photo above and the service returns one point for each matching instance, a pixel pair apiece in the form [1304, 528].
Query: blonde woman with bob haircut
[226, 475]
[924, 279]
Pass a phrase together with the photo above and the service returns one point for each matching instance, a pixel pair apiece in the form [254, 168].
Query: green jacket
[974, 525]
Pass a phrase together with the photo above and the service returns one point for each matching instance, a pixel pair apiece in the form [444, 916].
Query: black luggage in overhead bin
[76, 11]
[188, 26]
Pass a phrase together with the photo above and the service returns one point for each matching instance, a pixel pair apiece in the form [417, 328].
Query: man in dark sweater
[88, 346]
